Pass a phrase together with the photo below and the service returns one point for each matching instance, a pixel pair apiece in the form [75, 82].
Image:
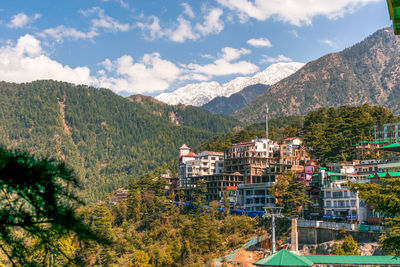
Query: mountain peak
[198, 94]
[366, 72]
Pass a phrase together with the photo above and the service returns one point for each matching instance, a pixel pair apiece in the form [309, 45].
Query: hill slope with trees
[105, 138]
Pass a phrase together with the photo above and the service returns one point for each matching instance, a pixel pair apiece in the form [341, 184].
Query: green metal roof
[356, 260]
[283, 258]
[322, 168]
[383, 174]
[394, 13]
[286, 258]
[374, 142]
[392, 147]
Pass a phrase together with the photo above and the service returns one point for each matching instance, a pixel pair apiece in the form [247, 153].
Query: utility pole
[266, 121]
[273, 212]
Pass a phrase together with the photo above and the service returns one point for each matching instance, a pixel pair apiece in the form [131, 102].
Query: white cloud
[150, 74]
[183, 32]
[21, 19]
[223, 65]
[101, 22]
[25, 61]
[279, 58]
[107, 64]
[153, 28]
[212, 22]
[230, 53]
[121, 2]
[328, 42]
[300, 12]
[188, 10]
[61, 32]
[259, 42]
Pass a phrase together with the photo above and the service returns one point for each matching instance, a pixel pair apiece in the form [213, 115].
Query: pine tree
[385, 198]
[348, 247]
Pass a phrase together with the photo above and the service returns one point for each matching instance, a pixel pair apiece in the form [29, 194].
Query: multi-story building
[389, 132]
[194, 165]
[250, 159]
[218, 183]
[256, 196]
[293, 153]
[342, 204]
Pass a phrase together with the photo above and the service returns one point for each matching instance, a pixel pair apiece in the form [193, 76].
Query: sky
[149, 47]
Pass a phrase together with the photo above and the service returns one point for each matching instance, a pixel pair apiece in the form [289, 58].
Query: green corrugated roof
[286, 258]
[374, 142]
[283, 258]
[322, 168]
[383, 174]
[356, 260]
[391, 147]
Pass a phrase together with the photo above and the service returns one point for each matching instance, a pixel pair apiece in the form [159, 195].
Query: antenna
[266, 121]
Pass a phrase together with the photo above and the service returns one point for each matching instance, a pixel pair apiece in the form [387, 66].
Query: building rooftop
[395, 147]
[287, 258]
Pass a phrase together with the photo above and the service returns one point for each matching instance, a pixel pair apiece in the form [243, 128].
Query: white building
[340, 203]
[194, 165]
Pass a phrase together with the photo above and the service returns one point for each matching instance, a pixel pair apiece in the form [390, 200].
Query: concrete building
[293, 153]
[251, 159]
[194, 165]
[342, 204]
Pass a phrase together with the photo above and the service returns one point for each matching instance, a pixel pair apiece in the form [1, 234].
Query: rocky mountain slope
[367, 72]
[201, 93]
[228, 105]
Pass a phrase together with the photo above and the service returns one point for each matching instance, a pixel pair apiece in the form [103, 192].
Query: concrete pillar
[294, 236]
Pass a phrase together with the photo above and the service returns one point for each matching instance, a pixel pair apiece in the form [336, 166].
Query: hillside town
[245, 172]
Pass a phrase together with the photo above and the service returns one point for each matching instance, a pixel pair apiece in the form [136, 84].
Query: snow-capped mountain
[198, 94]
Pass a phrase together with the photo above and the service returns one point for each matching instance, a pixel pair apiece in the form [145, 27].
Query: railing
[338, 226]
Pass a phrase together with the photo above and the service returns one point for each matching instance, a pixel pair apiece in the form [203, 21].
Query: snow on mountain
[198, 94]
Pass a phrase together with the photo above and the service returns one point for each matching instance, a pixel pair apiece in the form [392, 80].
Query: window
[328, 194]
[212, 158]
[353, 203]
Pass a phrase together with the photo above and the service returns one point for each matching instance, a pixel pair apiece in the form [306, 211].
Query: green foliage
[105, 138]
[278, 128]
[140, 259]
[38, 209]
[385, 198]
[348, 247]
[331, 133]
[156, 232]
[290, 194]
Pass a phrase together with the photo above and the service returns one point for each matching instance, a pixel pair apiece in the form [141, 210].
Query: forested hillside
[228, 105]
[367, 72]
[105, 138]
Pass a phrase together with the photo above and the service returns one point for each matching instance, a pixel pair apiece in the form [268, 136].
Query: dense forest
[329, 133]
[105, 138]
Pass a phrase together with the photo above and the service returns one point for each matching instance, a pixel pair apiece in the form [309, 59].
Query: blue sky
[149, 47]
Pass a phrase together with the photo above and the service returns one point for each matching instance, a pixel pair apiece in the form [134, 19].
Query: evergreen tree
[290, 193]
[385, 198]
[348, 247]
